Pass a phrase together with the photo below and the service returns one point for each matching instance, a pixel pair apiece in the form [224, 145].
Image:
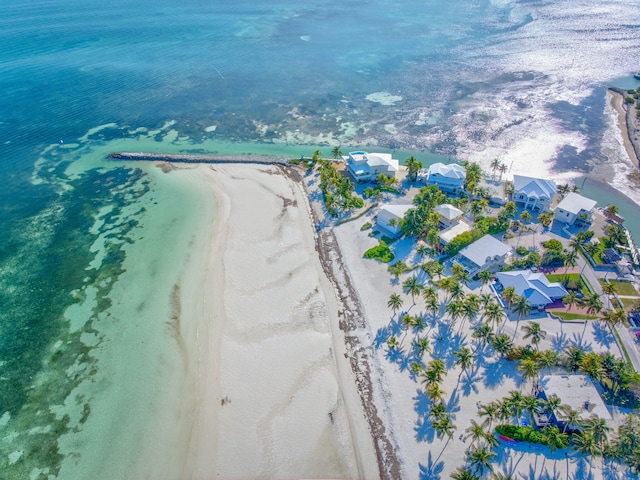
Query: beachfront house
[533, 194]
[574, 209]
[389, 217]
[486, 253]
[448, 215]
[575, 391]
[535, 287]
[493, 190]
[366, 167]
[448, 178]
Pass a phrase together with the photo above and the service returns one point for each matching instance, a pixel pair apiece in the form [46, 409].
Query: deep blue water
[471, 75]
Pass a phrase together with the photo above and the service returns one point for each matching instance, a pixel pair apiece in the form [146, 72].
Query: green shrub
[522, 251]
[366, 226]
[380, 252]
[462, 240]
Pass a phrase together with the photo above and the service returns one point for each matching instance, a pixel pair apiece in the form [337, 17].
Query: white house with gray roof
[486, 253]
[448, 214]
[365, 167]
[389, 217]
[535, 287]
[448, 178]
[533, 194]
[572, 207]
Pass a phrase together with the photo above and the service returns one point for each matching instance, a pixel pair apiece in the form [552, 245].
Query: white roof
[453, 231]
[575, 203]
[453, 170]
[578, 392]
[534, 187]
[374, 159]
[484, 249]
[448, 211]
[535, 287]
[396, 210]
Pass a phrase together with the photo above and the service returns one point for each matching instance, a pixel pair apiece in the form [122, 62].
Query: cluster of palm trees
[337, 190]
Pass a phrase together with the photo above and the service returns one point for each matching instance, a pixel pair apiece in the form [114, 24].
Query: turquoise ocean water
[82, 78]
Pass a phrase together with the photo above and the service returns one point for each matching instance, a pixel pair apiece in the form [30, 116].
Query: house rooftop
[575, 203]
[483, 249]
[578, 392]
[397, 210]
[535, 287]
[452, 170]
[534, 187]
[448, 211]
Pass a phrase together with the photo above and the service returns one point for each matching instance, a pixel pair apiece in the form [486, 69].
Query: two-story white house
[533, 194]
[574, 209]
[389, 217]
[448, 178]
[365, 167]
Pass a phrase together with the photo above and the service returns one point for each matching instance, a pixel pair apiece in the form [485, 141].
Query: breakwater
[197, 158]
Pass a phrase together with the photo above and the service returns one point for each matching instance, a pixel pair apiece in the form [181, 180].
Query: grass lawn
[571, 281]
[623, 288]
[629, 303]
[572, 316]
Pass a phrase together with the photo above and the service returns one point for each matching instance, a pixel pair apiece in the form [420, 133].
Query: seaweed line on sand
[351, 319]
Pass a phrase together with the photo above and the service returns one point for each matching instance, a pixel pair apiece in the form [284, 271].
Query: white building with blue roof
[535, 287]
[533, 194]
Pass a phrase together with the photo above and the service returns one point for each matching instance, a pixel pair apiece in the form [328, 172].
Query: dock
[197, 158]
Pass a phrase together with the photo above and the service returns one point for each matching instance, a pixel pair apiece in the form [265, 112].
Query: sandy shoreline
[268, 391]
[628, 124]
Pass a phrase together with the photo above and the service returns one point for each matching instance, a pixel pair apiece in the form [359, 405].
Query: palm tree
[495, 165]
[548, 359]
[571, 299]
[551, 405]
[555, 438]
[408, 322]
[480, 459]
[434, 392]
[609, 289]
[525, 216]
[535, 332]
[434, 372]
[335, 152]
[529, 369]
[489, 411]
[455, 309]
[515, 402]
[422, 345]
[494, 313]
[611, 211]
[484, 333]
[475, 432]
[593, 303]
[502, 344]
[508, 295]
[572, 418]
[433, 306]
[395, 302]
[574, 357]
[522, 308]
[464, 473]
[531, 404]
[584, 443]
[464, 359]
[413, 287]
[456, 291]
[570, 259]
[484, 276]
[413, 167]
[546, 219]
[444, 426]
[392, 342]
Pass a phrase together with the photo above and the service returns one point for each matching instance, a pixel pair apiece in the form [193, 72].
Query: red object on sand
[507, 439]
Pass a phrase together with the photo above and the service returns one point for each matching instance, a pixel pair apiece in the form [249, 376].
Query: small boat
[637, 75]
[504, 438]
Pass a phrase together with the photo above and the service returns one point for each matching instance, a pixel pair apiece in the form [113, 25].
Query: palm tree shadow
[395, 355]
[382, 335]
[467, 382]
[560, 342]
[577, 340]
[432, 470]
[453, 404]
[424, 432]
[495, 373]
[602, 335]
[581, 473]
